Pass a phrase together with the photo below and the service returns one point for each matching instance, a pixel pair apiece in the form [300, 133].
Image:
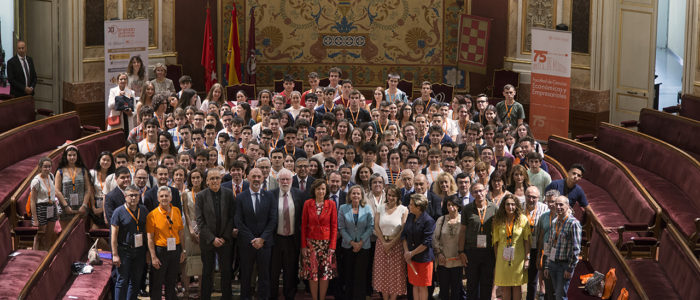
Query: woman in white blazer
[120, 90]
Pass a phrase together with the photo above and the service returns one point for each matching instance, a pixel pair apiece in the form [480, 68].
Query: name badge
[552, 253]
[98, 202]
[74, 201]
[138, 240]
[481, 241]
[171, 244]
[49, 211]
[508, 253]
[545, 247]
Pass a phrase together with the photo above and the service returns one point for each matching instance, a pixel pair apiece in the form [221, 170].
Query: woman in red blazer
[319, 231]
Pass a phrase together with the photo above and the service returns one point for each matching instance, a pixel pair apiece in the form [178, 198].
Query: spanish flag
[233, 54]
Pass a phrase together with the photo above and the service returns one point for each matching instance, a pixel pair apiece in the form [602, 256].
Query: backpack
[594, 286]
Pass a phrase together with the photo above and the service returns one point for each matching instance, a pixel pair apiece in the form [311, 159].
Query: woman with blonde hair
[444, 186]
[355, 225]
[162, 84]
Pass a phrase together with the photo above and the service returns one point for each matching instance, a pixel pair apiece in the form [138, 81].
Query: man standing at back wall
[21, 73]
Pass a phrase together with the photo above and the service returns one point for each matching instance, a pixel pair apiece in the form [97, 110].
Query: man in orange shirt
[165, 234]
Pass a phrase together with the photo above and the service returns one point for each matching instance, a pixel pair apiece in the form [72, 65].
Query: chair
[279, 86]
[174, 73]
[443, 92]
[404, 85]
[324, 82]
[502, 77]
[248, 89]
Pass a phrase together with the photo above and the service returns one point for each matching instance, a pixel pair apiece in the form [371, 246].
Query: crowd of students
[389, 194]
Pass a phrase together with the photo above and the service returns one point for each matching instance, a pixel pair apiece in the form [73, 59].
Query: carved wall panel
[536, 13]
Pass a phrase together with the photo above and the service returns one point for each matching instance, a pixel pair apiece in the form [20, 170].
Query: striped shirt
[566, 240]
[533, 218]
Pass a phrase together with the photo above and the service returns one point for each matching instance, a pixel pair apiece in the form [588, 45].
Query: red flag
[250, 64]
[208, 57]
[233, 59]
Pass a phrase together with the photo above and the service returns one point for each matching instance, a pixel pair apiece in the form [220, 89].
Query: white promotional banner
[550, 83]
[123, 40]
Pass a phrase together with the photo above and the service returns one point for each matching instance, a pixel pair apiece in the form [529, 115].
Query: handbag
[114, 120]
[595, 285]
[93, 255]
[123, 102]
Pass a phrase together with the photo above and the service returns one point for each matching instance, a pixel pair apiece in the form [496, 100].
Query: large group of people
[351, 195]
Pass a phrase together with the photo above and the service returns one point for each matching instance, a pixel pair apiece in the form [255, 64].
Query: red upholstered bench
[555, 168]
[671, 176]
[19, 111]
[93, 286]
[17, 271]
[55, 270]
[690, 106]
[603, 255]
[678, 131]
[24, 145]
[675, 275]
[614, 195]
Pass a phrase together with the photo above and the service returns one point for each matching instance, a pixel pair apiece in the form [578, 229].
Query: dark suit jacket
[206, 217]
[434, 204]
[258, 223]
[150, 199]
[113, 200]
[15, 75]
[308, 182]
[229, 185]
[298, 197]
[341, 199]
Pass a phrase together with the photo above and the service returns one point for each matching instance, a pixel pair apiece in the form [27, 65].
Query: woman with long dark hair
[136, 73]
[42, 205]
[104, 166]
[73, 182]
[165, 146]
[511, 239]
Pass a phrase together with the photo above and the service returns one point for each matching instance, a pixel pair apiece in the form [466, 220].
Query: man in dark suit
[256, 220]
[214, 211]
[237, 184]
[336, 194]
[420, 185]
[288, 143]
[21, 73]
[150, 199]
[285, 252]
[116, 198]
[302, 180]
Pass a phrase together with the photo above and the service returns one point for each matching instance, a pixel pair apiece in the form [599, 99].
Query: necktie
[26, 71]
[257, 202]
[264, 187]
[302, 186]
[335, 199]
[287, 228]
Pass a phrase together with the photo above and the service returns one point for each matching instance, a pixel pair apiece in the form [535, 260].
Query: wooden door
[41, 18]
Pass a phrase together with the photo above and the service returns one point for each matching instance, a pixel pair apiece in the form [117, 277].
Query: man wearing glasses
[510, 111]
[128, 249]
[165, 237]
[482, 102]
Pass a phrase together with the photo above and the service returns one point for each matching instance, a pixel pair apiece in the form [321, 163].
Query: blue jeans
[556, 274]
[129, 273]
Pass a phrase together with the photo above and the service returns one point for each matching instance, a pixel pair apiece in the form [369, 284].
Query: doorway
[670, 43]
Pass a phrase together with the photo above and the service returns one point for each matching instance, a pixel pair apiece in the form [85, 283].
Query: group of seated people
[353, 195]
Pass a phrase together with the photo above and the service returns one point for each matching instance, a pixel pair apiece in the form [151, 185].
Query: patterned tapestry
[473, 43]
[367, 39]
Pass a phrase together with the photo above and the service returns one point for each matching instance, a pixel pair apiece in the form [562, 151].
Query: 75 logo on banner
[540, 56]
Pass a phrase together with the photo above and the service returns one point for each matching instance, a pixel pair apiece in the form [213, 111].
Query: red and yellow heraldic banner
[550, 83]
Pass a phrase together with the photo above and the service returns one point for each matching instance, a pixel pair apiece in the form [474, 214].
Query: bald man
[214, 210]
[256, 220]
[420, 186]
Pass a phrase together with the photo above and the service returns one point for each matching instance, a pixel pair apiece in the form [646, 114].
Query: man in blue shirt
[128, 240]
[569, 188]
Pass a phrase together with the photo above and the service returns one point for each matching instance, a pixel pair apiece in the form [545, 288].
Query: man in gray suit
[215, 212]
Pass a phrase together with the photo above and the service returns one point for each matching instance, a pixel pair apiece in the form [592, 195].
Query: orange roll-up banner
[550, 83]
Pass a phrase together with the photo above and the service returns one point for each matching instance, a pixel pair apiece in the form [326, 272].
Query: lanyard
[170, 219]
[508, 110]
[138, 216]
[293, 152]
[342, 100]
[481, 218]
[194, 200]
[509, 231]
[48, 188]
[72, 176]
[326, 109]
[531, 217]
[391, 175]
[381, 130]
[354, 118]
